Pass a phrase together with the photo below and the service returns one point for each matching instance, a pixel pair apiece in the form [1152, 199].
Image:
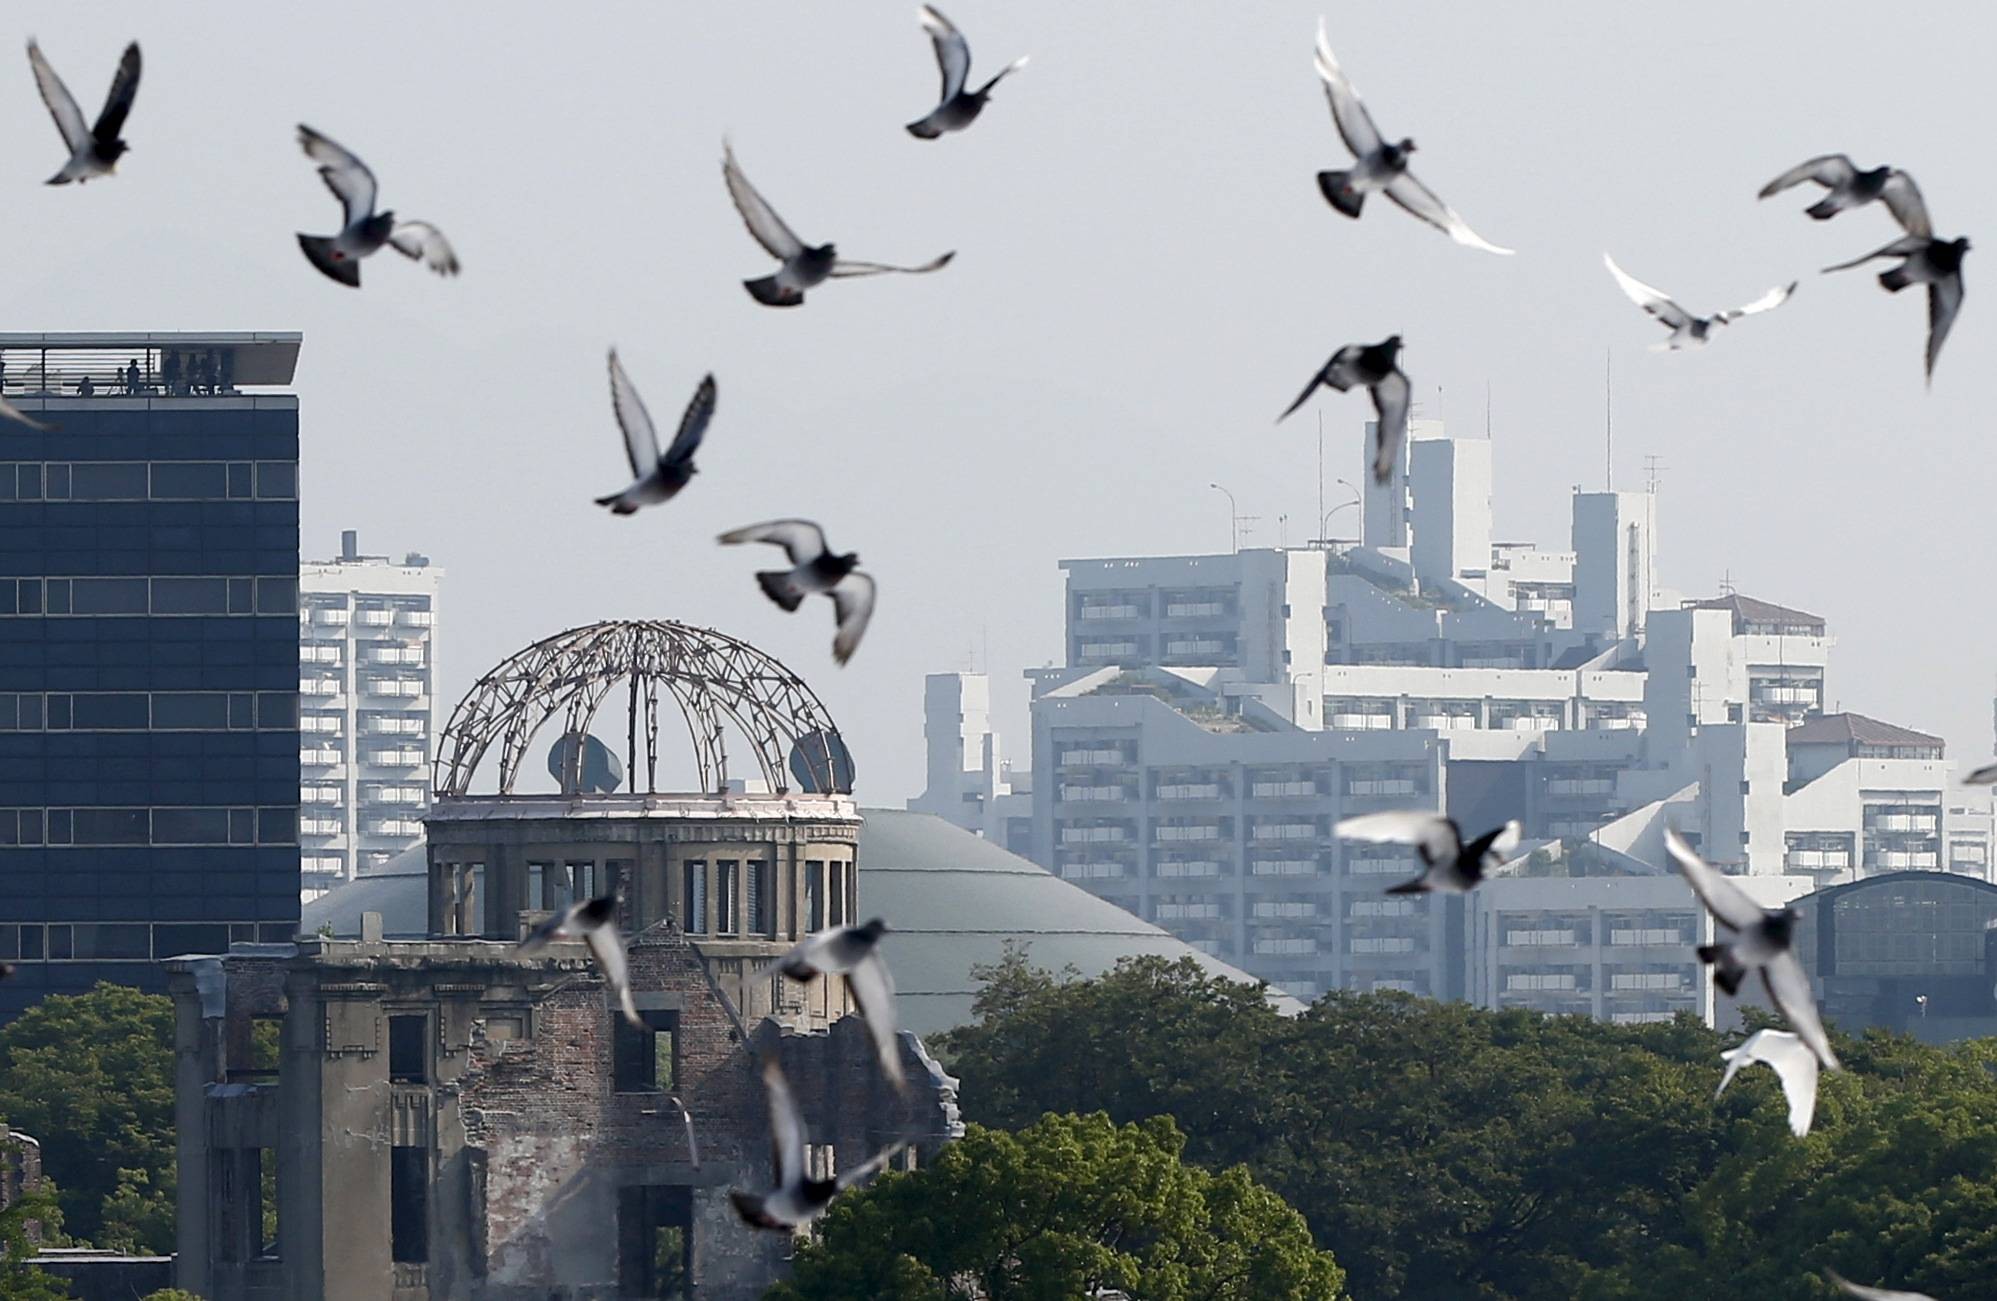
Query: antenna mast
[1608, 420]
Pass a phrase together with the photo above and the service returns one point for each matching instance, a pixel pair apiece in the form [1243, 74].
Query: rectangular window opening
[408, 1049]
[409, 1205]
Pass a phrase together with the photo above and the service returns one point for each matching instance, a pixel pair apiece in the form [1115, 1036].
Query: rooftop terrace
[145, 363]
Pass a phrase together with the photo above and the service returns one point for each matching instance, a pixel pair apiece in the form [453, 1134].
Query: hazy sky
[1145, 276]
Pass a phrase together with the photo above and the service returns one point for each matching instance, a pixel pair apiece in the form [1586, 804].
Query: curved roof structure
[954, 900]
[717, 682]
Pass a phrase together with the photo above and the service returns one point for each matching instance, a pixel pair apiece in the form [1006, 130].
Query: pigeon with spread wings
[94, 150]
[593, 921]
[1847, 187]
[854, 952]
[1793, 1063]
[804, 265]
[1376, 366]
[1924, 260]
[1753, 939]
[796, 1199]
[1449, 863]
[1379, 165]
[960, 107]
[1687, 330]
[659, 476]
[364, 231]
[815, 567]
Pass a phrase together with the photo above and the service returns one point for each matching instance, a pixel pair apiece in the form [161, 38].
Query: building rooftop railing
[144, 365]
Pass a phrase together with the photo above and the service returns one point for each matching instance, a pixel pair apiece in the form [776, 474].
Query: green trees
[20, 1281]
[1440, 1150]
[1069, 1205]
[91, 1077]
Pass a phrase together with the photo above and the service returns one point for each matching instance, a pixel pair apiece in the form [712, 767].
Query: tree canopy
[30, 1218]
[1442, 1150]
[1068, 1206]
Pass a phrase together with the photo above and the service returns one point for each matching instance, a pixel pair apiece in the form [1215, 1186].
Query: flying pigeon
[1379, 165]
[797, 1199]
[803, 265]
[1847, 187]
[854, 951]
[1791, 1059]
[814, 568]
[366, 230]
[960, 107]
[595, 922]
[1448, 863]
[14, 413]
[1755, 938]
[1687, 330]
[1873, 1293]
[659, 478]
[1377, 366]
[686, 1119]
[1924, 260]
[1984, 776]
[93, 150]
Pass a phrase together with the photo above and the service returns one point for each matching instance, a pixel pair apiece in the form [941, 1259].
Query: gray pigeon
[1687, 330]
[93, 150]
[814, 568]
[854, 951]
[1756, 939]
[659, 478]
[365, 230]
[1924, 260]
[1378, 164]
[1450, 864]
[1847, 187]
[1377, 366]
[797, 1198]
[804, 266]
[960, 107]
[594, 922]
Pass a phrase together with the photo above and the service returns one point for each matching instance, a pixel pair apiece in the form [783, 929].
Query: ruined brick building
[451, 1118]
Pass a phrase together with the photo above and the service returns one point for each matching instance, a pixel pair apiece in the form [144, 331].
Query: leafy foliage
[20, 1281]
[1070, 1205]
[91, 1076]
[1442, 1150]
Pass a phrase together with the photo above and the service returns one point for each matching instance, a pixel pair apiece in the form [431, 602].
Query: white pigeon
[854, 952]
[1758, 939]
[1793, 1063]
[1449, 863]
[1376, 366]
[796, 1199]
[93, 150]
[960, 107]
[1864, 1293]
[659, 478]
[1687, 330]
[1847, 187]
[804, 266]
[1379, 165]
[595, 923]
[364, 230]
[814, 568]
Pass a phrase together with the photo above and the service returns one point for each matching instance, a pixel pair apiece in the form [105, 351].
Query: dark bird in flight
[1379, 165]
[93, 150]
[960, 107]
[657, 477]
[1449, 863]
[814, 568]
[1687, 330]
[1377, 366]
[365, 230]
[1847, 187]
[803, 265]
[797, 1198]
[1924, 260]
[594, 922]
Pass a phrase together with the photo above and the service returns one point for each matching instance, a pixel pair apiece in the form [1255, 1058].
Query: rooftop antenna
[1320, 468]
[1608, 420]
[1653, 470]
[1487, 410]
[1727, 583]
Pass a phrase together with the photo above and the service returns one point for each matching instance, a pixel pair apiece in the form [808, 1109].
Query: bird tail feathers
[1825, 208]
[924, 130]
[779, 587]
[1896, 279]
[1338, 192]
[1416, 886]
[770, 293]
[318, 250]
[617, 504]
[1727, 971]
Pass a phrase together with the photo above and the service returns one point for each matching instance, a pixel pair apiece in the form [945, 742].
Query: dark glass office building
[148, 654]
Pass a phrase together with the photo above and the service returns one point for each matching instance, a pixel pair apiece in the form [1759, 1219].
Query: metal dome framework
[714, 679]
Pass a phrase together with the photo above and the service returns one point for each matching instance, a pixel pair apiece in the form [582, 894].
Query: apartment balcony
[1093, 759]
[1543, 939]
[1110, 613]
[1903, 860]
[1283, 867]
[332, 618]
[321, 827]
[406, 688]
[327, 654]
[319, 724]
[1361, 722]
[1094, 794]
[1283, 831]
[415, 795]
[394, 758]
[415, 618]
[319, 688]
[1092, 871]
[375, 618]
[322, 795]
[1191, 791]
[321, 757]
[1180, 835]
[1444, 722]
[1922, 823]
[397, 726]
[1569, 786]
[1818, 860]
[399, 828]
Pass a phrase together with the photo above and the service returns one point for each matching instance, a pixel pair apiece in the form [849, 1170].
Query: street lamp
[1324, 525]
[1233, 528]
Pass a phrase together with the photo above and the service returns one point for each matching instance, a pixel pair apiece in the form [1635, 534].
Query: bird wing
[1433, 834]
[868, 1168]
[1498, 850]
[1789, 989]
[1418, 199]
[419, 239]
[802, 540]
[608, 950]
[786, 1126]
[1828, 170]
[14, 413]
[1653, 300]
[873, 990]
[765, 226]
[1906, 246]
[1348, 114]
[842, 267]
[345, 175]
[549, 930]
[692, 1143]
[1984, 776]
[1390, 403]
[61, 104]
[1796, 1066]
[853, 604]
[1324, 375]
[118, 102]
[1772, 299]
[1873, 1293]
[1944, 300]
[953, 52]
[1726, 901]
[693, 422]
[1903, 199]
[641, 440]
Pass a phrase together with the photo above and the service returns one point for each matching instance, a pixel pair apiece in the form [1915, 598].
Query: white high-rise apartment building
[367, 636]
